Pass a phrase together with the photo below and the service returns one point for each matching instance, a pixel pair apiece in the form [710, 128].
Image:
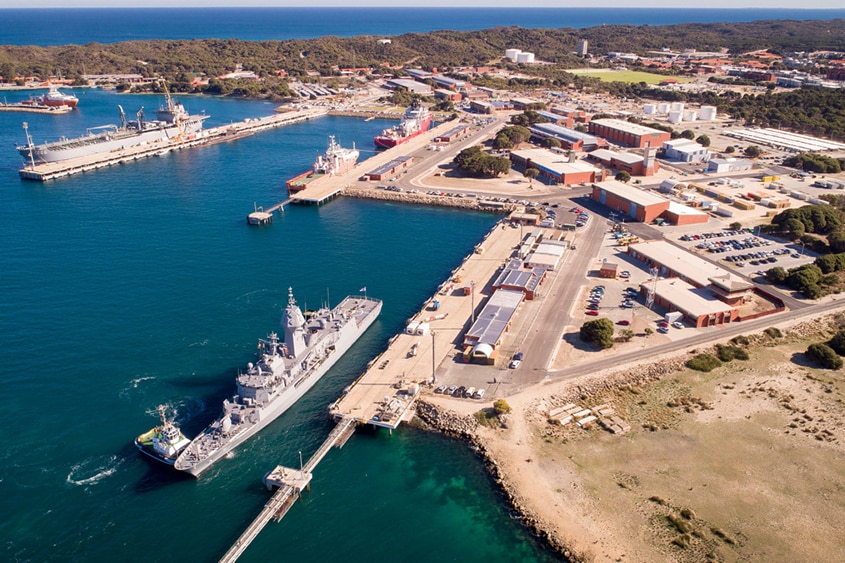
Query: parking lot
[744, 252]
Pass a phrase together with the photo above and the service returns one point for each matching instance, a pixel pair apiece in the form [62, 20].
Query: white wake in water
[93, 470]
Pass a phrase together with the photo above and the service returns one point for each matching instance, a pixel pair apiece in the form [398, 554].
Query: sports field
[606, 75]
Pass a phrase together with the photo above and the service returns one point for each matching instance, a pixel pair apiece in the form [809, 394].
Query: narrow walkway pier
[290, 483]
[214, 135]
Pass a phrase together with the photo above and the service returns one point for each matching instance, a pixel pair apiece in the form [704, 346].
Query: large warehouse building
[641, 205]
[630, 201]
[628, 134]
[555, 168]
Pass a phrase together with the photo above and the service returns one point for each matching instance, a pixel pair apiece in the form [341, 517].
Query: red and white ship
[416, 120]
[54, 98]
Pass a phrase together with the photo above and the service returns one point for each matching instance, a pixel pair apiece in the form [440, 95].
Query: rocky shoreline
[465, 428]
[472, 204]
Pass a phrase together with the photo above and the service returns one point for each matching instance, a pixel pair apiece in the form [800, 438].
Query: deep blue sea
[141, 284]
[77, 26]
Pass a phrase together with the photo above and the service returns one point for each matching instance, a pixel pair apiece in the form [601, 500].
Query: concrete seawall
[473, 204]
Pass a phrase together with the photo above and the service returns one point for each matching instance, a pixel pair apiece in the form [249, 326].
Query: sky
[721, 4]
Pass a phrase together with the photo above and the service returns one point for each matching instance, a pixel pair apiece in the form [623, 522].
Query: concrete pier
[69, 167]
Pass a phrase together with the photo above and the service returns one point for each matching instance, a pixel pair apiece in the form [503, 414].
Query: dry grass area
[744, 463]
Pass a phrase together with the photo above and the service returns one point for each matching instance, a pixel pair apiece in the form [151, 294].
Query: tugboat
[163, 443]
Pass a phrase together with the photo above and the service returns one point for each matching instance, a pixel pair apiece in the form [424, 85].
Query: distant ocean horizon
[64, 26]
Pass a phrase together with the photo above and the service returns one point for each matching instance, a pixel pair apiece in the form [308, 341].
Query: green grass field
[626, 76]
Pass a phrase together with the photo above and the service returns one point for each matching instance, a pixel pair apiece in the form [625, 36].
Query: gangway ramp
[290, 483]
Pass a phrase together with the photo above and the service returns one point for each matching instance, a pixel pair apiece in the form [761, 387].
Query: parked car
[623, 322]
[479, 394]
[627, 305]
[592, 313]
[440, 389]
[593, 307]
[469, 392]
[459, 392]
[664, 324]
[517, 359]
[663, 329]
[625, 274]
[678, 324]
[451, 390]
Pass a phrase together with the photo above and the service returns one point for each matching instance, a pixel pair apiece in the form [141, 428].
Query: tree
[688, 134]
[623, 176]
[551, 143]
[736, 226]
[703, 140]
[730, 150]
[824, 356]
[776, 275]
[530, 173]
[598, 332]
[753, 151]
[502, 142]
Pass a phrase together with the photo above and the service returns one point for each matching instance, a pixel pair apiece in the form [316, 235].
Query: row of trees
[813, 162]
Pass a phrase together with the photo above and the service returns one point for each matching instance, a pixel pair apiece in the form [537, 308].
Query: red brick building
[628, 134]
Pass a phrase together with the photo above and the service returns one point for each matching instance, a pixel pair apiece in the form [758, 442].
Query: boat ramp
[385, 394]
[231, 132]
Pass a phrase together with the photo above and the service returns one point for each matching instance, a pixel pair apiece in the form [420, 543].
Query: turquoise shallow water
[142, 284]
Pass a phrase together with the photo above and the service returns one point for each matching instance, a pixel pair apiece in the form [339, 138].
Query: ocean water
[75, 26]
[142, 284]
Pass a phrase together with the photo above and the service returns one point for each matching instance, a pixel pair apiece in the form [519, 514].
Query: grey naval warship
[283, 373]
[172, 122]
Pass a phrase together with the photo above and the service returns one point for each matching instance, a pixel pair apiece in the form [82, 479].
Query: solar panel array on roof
[493, 320]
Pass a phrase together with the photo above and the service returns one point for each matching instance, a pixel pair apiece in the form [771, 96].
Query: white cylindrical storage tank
[512, 53]
[677, 106]
[707, 113]
[649, 109]
[690, 115]
[662, 108]
[674, 117]
[525, 58]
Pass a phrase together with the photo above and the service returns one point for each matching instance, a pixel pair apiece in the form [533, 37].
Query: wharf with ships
[385, 394]
[60, 169]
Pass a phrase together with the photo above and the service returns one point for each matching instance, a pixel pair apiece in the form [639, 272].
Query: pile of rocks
[424, 199]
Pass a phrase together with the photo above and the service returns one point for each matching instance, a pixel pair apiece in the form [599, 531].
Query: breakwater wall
[474, 204]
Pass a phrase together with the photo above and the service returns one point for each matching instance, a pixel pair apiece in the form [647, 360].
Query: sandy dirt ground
[744, 463]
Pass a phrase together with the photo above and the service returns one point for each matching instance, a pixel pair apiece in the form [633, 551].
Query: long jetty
[385, 394]
[214, 135]
[290, 483]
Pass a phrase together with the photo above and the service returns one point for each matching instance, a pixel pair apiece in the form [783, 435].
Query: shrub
[824, 356]
[704, 362]
[837, 343]
[773, 332]
[501, 407]
[740, 340]
[728, 353]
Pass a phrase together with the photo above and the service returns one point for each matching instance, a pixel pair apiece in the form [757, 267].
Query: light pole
[300, 460]
[802, 249]
[433, 360]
